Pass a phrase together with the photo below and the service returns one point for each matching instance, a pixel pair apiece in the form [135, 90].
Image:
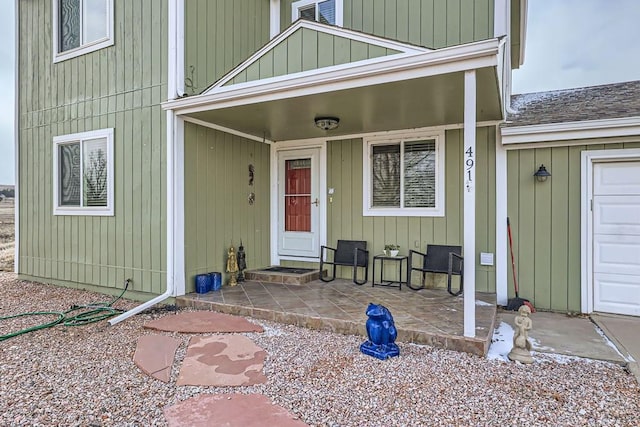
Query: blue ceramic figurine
[382, 333]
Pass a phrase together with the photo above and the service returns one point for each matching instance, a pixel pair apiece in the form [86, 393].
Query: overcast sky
[569, 43]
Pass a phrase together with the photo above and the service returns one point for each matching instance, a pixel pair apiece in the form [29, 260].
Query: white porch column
[502, 261]
[469, 168]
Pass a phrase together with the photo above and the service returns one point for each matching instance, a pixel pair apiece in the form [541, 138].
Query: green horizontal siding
[305, 50]
[117, 87]
[219, 35]
[430, 23]
[545, 223]
[217, 211]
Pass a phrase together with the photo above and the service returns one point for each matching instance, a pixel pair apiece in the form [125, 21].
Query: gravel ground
[85, 376]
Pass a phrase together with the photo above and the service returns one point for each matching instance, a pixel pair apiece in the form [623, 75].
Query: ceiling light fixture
[327, 123]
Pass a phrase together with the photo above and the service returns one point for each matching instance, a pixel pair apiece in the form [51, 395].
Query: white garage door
[616, 237]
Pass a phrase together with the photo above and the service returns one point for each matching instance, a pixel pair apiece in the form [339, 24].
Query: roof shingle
[611, 101]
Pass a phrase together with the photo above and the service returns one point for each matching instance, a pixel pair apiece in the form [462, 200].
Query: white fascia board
[390, 69]
[322, 28]
[587, 129]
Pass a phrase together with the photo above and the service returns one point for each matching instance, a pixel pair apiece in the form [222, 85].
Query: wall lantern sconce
[327, 123]
[542, 174]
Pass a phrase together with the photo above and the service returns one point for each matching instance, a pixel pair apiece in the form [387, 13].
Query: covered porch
[427, 316]
[378, 91]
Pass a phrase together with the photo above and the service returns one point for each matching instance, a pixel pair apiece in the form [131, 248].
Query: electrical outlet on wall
[486, 258]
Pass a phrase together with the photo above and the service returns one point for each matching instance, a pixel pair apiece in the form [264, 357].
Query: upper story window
[404, 176]
[324, 11]
[81, 26]
[83, 173]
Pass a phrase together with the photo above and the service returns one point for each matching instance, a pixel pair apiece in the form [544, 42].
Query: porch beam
[469, 203]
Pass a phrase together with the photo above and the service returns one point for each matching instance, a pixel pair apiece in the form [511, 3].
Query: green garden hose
[93, 313]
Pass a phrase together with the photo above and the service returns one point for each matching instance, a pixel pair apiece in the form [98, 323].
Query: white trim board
[588, 158]
[16, 139]
[567, 131]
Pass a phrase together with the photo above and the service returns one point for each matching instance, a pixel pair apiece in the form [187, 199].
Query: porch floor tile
[427, 316]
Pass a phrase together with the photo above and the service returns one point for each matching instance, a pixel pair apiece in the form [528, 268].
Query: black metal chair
[438, 259]
[349, 253]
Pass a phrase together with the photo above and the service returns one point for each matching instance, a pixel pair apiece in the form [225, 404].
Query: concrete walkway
[601, 337]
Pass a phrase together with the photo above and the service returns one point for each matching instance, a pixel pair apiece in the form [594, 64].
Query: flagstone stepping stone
[233, 410]
[154, 355]
[222, 360]
[203, 322]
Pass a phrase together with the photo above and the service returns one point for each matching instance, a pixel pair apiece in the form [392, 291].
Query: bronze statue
[242, 263]
[232, 266]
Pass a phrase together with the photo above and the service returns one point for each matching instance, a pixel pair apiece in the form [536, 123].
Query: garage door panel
[616, 254]
[617, 293]
[616, 178]
[616, 237]
[617, 215]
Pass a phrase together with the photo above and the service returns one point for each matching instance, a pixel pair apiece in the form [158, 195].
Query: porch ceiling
[405, 104]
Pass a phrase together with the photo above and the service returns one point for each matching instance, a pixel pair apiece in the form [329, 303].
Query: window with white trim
[404, 176]
[83, 173]
[323, 11]
[80, 27]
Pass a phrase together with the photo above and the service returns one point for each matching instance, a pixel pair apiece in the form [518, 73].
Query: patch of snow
[627, 358]
[501, 343]
[482, 303]
[535, 344]
[270, 331]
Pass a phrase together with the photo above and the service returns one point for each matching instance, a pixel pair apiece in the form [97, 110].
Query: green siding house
[154, 134]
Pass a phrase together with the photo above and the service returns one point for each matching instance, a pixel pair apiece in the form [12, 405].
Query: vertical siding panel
[439, 23]
[542, 237]
[338, 182]
[453, 22]
[325, 50]
[482, 220]
[379, 17]
[310, 51]
[513, 205]
[356, 190]
[402, 21]
[294, 60]
[483, 12]
[342, 50]
[524, 249]
[391, 17]
[346, 162]
[449, 228]
[559, 227]
[467, 21]
[266, 65]
[280, 59]
[413, 22]
[367, 17]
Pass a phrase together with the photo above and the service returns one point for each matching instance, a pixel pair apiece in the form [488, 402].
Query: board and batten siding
[545, 224]
[219, 35]
[346, 221]
[308, 49]
[117, 87]
[430, 23]
[217, 209]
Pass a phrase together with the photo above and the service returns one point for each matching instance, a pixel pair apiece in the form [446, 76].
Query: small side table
[399, 259]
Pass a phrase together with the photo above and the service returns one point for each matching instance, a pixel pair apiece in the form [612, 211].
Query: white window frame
[296, 5]
[83, 48]
[81, 138]
[400, 138]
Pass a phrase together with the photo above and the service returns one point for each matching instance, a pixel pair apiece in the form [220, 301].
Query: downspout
[16, 145]
[175, 13]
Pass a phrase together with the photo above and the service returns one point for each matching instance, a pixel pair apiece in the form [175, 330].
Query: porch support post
[501, 222]
[469, 168]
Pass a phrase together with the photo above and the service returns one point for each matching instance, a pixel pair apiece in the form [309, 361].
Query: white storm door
[616, 237]
[298, 203]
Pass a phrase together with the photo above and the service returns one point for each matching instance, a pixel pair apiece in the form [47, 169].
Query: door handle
[316, 202]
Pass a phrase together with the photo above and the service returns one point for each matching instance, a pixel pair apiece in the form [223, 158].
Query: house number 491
[469, 165]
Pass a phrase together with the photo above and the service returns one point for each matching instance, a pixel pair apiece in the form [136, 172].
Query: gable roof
[302, 48]
[611, 101]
